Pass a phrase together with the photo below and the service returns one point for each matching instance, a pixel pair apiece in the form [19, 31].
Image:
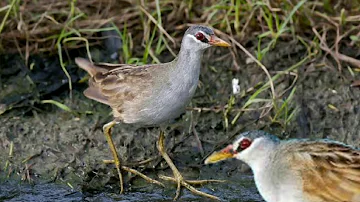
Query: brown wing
[114, 84]
[330, 171]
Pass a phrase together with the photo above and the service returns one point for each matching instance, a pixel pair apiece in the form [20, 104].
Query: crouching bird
[151, 95]
[298, 170]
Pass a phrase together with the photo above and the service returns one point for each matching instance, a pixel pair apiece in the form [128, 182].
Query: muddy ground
[53, 145]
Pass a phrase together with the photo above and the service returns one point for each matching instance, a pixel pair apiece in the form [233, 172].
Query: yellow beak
[221, 155]
[216, 41]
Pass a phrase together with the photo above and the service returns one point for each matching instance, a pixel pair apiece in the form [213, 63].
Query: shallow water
[242, 190]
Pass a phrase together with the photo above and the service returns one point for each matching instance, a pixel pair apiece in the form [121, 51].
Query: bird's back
[330, 171]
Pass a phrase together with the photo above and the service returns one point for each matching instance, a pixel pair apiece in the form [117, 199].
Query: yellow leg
[107, 131]
[178, 178]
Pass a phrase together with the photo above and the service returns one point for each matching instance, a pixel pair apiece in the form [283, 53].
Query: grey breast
[170, 95]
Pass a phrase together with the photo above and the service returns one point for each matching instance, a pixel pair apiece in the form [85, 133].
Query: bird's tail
[89, 66]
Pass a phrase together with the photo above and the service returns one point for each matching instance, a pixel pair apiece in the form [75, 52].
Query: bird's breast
[276, 183]
[173, 101]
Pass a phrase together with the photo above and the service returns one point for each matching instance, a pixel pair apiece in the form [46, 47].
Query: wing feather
[330, 171]
[117, 84]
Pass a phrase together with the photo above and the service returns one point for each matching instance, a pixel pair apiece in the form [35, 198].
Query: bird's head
[201, 37]
[248, 147]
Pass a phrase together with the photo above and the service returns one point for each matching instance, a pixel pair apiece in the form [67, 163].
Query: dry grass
[33, 27]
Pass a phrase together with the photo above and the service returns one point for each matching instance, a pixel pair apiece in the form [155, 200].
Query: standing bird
[298, 170]
[152, 94]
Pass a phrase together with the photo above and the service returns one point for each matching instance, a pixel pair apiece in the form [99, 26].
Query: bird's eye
[199, 36]
[245, 143]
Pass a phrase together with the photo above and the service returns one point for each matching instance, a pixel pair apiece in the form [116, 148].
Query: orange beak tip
[216, 41]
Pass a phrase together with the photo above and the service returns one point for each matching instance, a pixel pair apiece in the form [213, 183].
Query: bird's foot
[188, 184]
[135, 172]
[178, 178]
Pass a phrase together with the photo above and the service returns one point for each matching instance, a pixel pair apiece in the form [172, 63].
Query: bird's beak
[221, 155]
[216, 41]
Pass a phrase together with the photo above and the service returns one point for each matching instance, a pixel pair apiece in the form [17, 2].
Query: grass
[156, 27]
[275, 30]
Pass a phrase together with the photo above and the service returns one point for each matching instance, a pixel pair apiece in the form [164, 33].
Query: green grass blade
[58, 104]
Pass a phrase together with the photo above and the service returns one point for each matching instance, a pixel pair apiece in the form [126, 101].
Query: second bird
[298, 170]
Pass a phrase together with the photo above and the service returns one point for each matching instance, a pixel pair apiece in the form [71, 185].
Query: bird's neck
[262, 157]
[261, 165]
[273, 178]
[189, 59]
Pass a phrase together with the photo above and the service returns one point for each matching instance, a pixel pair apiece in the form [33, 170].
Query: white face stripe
[236, 143]
[194, 38]
[194, 44]
[206, 36]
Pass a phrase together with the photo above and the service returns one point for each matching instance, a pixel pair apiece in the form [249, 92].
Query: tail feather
[89, 67]
[95, 94]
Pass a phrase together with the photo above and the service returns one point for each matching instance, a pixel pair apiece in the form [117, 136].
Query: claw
[178, 178]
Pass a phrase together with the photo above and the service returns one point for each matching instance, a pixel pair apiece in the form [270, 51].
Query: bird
[151, 94]
[297, 170]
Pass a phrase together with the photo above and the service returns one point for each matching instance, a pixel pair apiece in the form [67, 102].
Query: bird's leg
[107, 131]
[177, 175]
[197, 139]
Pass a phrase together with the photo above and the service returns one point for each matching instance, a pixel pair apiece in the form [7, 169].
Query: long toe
[178, 178]
[181, 182]
[148, 179]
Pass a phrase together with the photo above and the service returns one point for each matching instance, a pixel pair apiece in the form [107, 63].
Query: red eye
[245, 143]
[199, 36]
